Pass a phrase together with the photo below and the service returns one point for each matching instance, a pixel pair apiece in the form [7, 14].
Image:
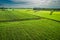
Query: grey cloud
[35, 3]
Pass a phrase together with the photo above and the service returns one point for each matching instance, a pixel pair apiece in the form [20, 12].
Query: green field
[26, 24]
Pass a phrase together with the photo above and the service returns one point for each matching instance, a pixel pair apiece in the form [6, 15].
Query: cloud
[33, 3]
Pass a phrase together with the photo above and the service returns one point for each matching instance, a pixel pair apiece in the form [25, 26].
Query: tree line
[47, 9]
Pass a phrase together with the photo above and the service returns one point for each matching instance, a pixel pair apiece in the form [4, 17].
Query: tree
[51, 12]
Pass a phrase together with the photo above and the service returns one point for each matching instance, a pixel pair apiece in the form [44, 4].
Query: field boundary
[29, 19]
[20, 19]
[51, 19]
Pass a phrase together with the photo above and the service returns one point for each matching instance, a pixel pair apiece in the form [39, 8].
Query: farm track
[51, 19]
[20, 19]
[13, 20]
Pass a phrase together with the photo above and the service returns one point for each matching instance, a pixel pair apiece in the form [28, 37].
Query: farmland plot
[41, 29]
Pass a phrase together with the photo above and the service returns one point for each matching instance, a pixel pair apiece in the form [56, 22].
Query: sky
[30, 3]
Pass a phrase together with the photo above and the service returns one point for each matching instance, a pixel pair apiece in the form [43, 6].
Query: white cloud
[35, 3]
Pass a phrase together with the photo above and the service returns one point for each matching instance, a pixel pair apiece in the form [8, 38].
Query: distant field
[40, 29]
[10, 15]
[55, 15]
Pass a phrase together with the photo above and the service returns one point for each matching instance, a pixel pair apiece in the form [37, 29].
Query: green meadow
[28, 24]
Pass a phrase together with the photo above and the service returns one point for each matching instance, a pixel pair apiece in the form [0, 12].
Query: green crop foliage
[40, 29]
